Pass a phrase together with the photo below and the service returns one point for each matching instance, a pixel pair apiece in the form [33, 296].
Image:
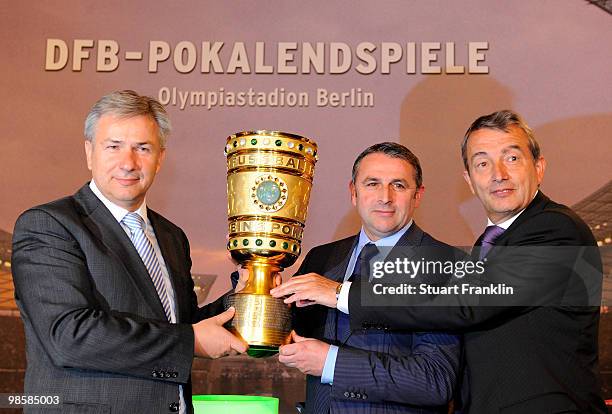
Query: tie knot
[491, 234]
[133, 221]
[368, 252]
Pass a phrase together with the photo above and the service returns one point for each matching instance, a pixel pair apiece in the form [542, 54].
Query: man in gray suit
[103, 283]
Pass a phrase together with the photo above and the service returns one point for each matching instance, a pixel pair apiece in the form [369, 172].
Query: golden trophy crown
[269, 178]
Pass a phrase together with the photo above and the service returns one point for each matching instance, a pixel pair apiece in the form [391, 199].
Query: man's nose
[129, 160]
[500, 172]
[386, 194]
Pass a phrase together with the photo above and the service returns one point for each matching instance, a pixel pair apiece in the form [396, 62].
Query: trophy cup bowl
[269, 178]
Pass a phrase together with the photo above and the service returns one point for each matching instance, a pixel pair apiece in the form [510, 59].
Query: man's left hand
[306, 354]
[308, 289]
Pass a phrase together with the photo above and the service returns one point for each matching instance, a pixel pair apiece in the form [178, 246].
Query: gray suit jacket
[96, 332]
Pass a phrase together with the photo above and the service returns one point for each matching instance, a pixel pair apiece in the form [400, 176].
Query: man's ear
[540, 166]
[88, 153]
[418, 195]
[466, 177]
[160, 160]
[353, 192]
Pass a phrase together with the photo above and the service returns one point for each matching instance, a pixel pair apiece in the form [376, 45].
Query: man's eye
[112, 146]
[399, 186]
[372, 184]
[481, 164]
[512, 158]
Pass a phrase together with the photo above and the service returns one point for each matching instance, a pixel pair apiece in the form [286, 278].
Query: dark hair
[395, 150]
[127, 104]
[501, 121]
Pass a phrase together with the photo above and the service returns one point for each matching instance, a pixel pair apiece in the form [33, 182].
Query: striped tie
[142, 244]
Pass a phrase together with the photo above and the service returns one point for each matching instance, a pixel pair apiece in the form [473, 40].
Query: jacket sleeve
[74, 323]
[549, 262]
[423, 377]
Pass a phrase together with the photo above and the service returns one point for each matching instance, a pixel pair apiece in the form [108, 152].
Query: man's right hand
[212, 340]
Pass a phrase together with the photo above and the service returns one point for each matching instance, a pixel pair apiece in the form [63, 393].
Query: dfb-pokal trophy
[269, 177]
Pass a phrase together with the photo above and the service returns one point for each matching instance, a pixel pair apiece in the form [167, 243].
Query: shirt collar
[117, 211]
[507, 223]
[385, 241]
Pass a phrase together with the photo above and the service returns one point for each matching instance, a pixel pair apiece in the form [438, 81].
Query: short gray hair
[128, 104]
[501, 121]
[395, 150]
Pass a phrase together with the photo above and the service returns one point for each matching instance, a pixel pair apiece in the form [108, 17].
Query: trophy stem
[261, 277]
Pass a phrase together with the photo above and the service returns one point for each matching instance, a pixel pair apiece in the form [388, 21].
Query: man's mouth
[126, 181]
[502, 192]
[384, 212]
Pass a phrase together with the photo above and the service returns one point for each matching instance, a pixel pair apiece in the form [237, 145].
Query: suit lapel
[335, 270]
[339, 260]
[536, 205]
[105, 228]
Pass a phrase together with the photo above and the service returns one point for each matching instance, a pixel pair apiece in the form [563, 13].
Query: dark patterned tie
[488, 238]
[363, 261]
[362, 267]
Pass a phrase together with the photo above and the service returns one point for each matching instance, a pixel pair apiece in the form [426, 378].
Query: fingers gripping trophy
[269, 177]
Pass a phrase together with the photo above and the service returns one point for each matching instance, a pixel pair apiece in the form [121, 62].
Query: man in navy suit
[354, 371]
[532, 353]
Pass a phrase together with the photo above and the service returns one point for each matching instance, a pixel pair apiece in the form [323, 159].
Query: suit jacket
[376, 371]
[538, 359]
[96, 332]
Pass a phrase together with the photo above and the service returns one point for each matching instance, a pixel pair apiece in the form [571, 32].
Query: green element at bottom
[234, 404]
[260, 351]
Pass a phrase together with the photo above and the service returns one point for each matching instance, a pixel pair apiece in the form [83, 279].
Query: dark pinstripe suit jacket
[376, 371]
[96, 333]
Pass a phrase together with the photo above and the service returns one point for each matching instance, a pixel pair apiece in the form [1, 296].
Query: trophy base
[262, 321]
[256, 351]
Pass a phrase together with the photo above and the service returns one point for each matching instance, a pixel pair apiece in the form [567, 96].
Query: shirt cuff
[343, 298]
[327, 376]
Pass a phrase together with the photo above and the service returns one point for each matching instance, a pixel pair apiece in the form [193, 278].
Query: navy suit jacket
[376, 371]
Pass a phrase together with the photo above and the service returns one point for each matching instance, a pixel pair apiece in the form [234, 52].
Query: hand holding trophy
[269, 177]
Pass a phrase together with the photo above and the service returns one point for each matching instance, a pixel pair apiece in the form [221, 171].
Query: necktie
[362, 265]
[488, 238]
[145, 249]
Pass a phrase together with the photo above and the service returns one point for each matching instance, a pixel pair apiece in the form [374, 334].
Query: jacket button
[346, 394]
[364, 397]
[168, 375]
[173, 407]
[175, 374]
[154, 374]
[352, 395]
[358, 396]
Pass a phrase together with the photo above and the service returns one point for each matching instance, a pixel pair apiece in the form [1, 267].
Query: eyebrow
[114, 140]
[511, 147]
[394, 180]
[504, 151]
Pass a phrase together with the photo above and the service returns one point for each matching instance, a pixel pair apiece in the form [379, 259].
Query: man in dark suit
[525, 355]
[354, 371]
[103, 282]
